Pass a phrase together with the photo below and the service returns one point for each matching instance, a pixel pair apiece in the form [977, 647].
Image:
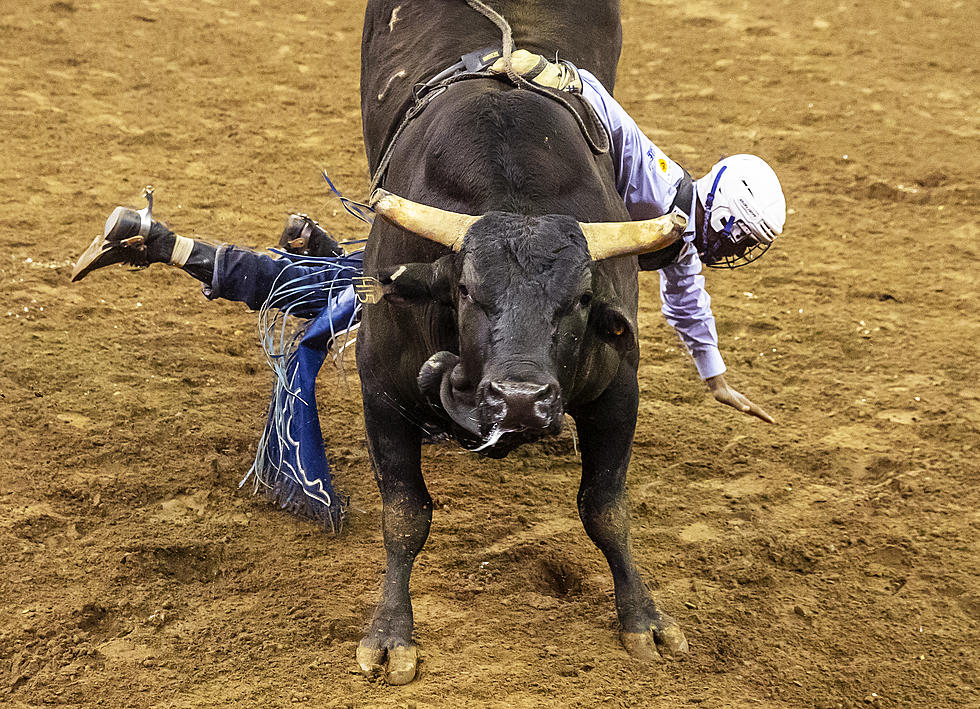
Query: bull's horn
[608, 239]
[446, 228]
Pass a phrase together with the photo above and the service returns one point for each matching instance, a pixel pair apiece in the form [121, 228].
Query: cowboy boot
[305, 237]
[131, 236]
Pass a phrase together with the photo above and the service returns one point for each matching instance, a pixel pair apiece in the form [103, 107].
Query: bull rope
[506, 41]
[507, 49]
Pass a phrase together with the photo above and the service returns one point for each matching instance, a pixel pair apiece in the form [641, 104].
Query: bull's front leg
[605, 429]
[394, 444]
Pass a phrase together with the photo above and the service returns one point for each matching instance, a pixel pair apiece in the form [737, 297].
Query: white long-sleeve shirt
[647, 180]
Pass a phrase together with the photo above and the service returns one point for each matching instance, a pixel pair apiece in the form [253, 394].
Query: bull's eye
[464, 291]
[585, 300]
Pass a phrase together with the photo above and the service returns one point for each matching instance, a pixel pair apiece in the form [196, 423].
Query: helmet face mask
[730, 242]
[732, 250]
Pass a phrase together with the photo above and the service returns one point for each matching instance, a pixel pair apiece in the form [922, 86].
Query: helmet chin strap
[708, 202]
[727, 230]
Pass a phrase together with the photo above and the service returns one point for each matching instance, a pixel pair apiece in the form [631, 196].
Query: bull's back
[407, 42]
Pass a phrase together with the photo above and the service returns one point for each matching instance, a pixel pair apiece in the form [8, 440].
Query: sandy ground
[829, 561]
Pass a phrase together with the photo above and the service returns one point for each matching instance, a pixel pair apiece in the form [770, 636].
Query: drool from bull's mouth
[495, 436]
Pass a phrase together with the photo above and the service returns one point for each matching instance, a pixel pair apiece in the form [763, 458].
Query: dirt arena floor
[831, 560]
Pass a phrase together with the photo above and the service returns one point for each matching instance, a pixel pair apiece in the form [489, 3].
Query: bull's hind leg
[394, 445]
[605, 429]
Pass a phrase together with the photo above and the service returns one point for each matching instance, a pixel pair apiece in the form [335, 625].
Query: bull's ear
[417, 282]
[612, 325]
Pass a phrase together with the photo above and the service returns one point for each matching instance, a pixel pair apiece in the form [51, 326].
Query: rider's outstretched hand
[724, 393]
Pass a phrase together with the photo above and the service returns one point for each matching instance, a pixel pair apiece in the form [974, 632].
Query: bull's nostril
[545, 400]
[495, 394]
[542, 393]
[549, 392]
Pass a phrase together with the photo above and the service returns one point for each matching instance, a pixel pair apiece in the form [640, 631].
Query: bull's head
[525, 296]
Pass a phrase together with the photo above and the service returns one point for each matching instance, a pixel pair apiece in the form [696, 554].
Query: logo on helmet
[750, 212]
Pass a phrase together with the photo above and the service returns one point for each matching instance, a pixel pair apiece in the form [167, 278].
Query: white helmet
[745, 208]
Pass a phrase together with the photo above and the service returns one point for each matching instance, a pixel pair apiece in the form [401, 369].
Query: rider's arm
[652, 184]
[687, 307]
[648, 182]
[646, 178]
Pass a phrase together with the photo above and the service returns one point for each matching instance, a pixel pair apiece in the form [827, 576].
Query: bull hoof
[655, 644]
[402, 662]
[671, 641]
[640, 646]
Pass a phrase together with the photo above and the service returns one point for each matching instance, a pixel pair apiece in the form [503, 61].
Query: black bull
[519, 327]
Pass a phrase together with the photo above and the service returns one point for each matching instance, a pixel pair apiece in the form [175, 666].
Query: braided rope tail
[507, 49]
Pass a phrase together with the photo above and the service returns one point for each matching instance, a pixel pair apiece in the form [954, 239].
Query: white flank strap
[182, 250]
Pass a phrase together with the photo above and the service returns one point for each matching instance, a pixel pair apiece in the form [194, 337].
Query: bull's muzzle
[520, 406]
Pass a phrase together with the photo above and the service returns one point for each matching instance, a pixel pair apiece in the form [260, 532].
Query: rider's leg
[228, 272]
